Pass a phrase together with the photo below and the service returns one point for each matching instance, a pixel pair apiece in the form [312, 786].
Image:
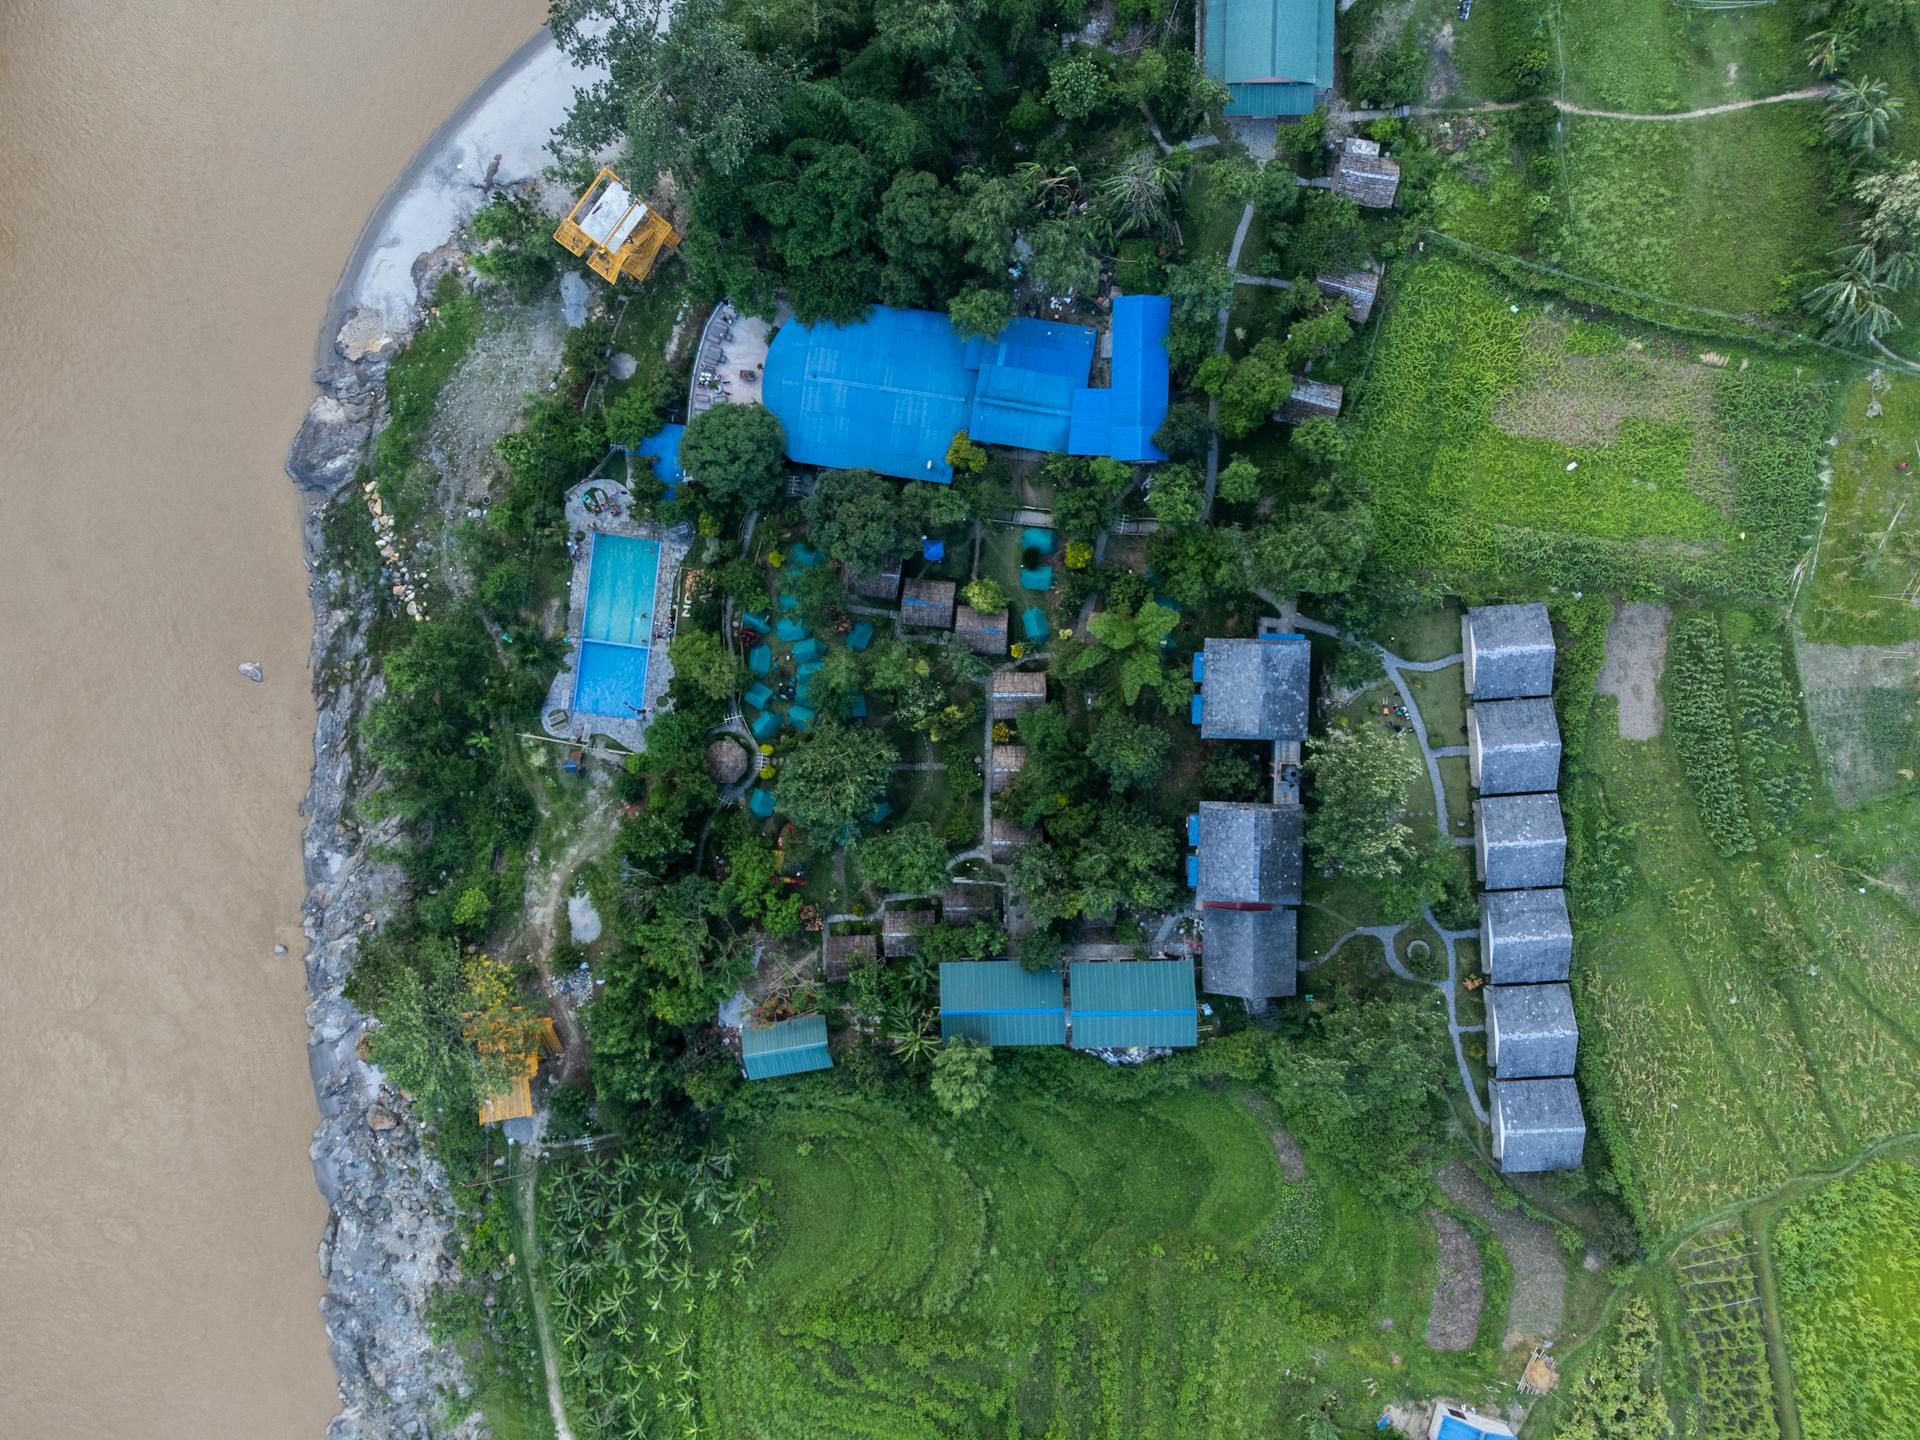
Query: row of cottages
[1094, 1005]
[1520, 846]
[1246, 868]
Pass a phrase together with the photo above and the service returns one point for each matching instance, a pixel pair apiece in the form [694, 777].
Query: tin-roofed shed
[1508, 650]
[1131, 1004]
[998, 1003]
[1274, 56]
[1255, 689]
[786, 1047]
[1531, 1032]
[1513, 747]
[1520, 842]
[1249, 854]
[1537, 1125]
[1253, 955]
[1525, 936]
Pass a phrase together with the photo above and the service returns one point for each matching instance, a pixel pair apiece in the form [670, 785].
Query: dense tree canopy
[834, 776]
[737, 455]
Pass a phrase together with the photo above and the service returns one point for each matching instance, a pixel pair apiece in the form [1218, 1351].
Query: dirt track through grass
[1538, 1300]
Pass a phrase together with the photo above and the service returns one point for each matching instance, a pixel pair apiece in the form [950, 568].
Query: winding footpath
[1567, 107]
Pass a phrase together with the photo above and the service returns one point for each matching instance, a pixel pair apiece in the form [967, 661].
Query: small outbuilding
[1249, 855]
[1364, 175]
[1008, 840]
[966, 901]
[1531, 1032]
[1255, 689]
[1513, 747]
[1004, 762]
[928, 603]
[1537, 1125]
[880, 585]
[1525, 936]
[1131, 1004]
[998, 1003]
[786, 1047]
[1015, 690]
[900, 931]
[843, 952]
[1311, 400]
[984, 634]
[1252, 955]
[1359, 288]
[1520, 842]
[1509, 651]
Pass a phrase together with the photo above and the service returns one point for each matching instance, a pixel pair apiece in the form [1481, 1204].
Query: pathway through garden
[1567, 107]
[536, 1290]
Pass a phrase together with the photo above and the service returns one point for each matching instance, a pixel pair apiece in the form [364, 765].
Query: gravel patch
[1636, 659]
[1453, 1316]
[1532, 1249]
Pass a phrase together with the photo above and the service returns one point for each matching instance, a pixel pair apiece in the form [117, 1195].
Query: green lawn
[1208, 217]
[1870, 545]
[1652, 56]
[1061, 1267]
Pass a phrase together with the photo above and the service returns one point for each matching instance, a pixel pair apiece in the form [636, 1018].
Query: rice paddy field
[1065, 1266]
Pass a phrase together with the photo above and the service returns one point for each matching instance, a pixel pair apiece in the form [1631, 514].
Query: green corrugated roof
[1271, 54]
[785, 1047]
[998, 1003]
[1123, 1003]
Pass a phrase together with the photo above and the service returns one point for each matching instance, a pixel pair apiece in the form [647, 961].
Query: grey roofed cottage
[1009, 839]
[927, 602]
[1537, 1125]
[1520, 841]
[1525, 936]
[1255, 689]
[1364, 175]
[966, 901]
[1003, 764]
[1311, 400]
[843, 952]
[1531, 1032]
[1509, 651]
[986, 634]
[900, 931]
[1251, 954]
[881, 585]
[1016, 690]
[1513, 747]
[1249, 854]
[1358, 287]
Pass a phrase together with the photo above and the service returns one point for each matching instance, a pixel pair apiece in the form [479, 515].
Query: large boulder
[331, 443]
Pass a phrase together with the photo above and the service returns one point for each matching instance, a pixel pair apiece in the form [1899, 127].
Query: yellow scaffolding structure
[617, 231]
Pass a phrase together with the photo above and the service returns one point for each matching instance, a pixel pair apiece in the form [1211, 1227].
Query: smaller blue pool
[616, 632]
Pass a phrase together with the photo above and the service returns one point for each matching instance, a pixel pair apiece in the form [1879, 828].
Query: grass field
[1870, 546]
[1651, 56]
[1848, 1271]
[1500, 439]
[1064, 1267]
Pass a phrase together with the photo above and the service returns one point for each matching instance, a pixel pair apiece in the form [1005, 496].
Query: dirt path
[1567, 107]
[542, 1328]
[1538, 1300]
[1453, 1315]
[1636, 659]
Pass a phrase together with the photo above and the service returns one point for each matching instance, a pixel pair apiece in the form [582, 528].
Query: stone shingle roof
[1509, 651]
[1513, 747]
[1521, 842]
[1311, 399]
[1255, 689]
[1016, 690]
[1004, 763]
[1009, 839]
[882, 585]
[1364, 175]
[1249, 854]
[1251, 954]
[1525, 936]
[1358, 287]
[900, 931]
[1531, 1032]
[1537, 1125]
[966, 901]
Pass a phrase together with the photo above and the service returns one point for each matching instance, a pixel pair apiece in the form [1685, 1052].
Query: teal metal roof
[998, 1003]
[1274, 56]
[1123, 1003]
[786, 1047]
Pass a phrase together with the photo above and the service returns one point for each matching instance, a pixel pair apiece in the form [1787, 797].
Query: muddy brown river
[180, 186]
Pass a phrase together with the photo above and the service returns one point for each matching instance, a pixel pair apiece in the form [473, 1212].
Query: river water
[180, 186]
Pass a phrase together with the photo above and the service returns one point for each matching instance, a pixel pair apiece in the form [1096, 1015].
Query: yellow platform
[516, 1101]
[617, 231]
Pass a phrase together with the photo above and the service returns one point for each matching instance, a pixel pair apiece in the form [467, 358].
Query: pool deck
[628, 730]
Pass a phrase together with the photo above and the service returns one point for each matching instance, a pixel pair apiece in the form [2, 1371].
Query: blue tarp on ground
[808, 652]
[879, 812]
[1199, 666]
[1120, 420]
[1196, 707]
[756, 622]
[861, 637]
[1033, 620]
[789, 602]
[760, 801]
[1036, 537]
[760, 659]
[791, 630]
[758, 696]
[1193, 872]
[1040, 577]
[1193, 829]
[664, 450]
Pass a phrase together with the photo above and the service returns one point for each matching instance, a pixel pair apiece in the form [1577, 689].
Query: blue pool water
[616, 632]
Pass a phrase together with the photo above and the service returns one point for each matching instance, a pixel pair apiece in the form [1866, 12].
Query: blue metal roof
[1120, 421]
[1118, 1004]
[664, 450]
[1274, 56]
[787, 1047]
[1028, 379]
[998, 1003]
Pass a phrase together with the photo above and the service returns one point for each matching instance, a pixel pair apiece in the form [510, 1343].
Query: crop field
[1501, 439]
[1722, 1320]
[1747, 1020]
[1869, 560]
[1065, 1267]
[1847, 1272]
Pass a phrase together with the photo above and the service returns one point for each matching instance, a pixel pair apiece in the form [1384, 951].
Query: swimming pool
[616, 631]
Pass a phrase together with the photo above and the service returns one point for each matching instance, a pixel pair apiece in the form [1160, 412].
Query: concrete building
[1531, 1032]
[1255, 689]
[1537, 1125]
[1520, 842]
[1525, 936]
[1513, 747]
[1509, 651]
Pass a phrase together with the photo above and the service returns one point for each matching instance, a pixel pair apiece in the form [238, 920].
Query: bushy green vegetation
[1869, 545]
[1847, 1270]
[1653, 56]
[1722, 1321]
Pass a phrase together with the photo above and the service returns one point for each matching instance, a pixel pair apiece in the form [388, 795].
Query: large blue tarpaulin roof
[891, 392]
[664, 450]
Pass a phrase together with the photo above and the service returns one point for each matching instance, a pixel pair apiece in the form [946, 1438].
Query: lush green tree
[703, 663]
[915, 231]
[1197, 564]
[471, 910]
[1329, 236]
[1086, 493]
[1855, 303]
[861, 519]
[1096, 860]
[1260, 384]
[1076, 86]
[1127, 751]
[1240, 481]
[909, 859]
[834, 776]
[1319, 441]
[1828, 51]
[1276, 194]
[753, 889]
[980, 312]
[1063, 258]
[1178, 496]
[1311, 551]
[1618, 1396]
[1360, 777]
[1039, 950]
[1138, 197]
[1860, 112]
[737, 456]
[1186, 432]
[517, 236]
[962, 1075]
[1127, 645]
[1891, 228]
[923, 29]
[632, 417]
[1318, 335]
[1198, 291]
[991, 211]
[986, 595]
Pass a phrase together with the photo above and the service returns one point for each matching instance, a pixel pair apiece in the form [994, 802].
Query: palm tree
[1056, 190]
[1852, 302]
[1828, 51]
[1139, 195]
[911, 1036]
[1860, 112]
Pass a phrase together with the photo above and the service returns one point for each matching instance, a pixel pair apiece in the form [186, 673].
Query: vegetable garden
[1726, 1340]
